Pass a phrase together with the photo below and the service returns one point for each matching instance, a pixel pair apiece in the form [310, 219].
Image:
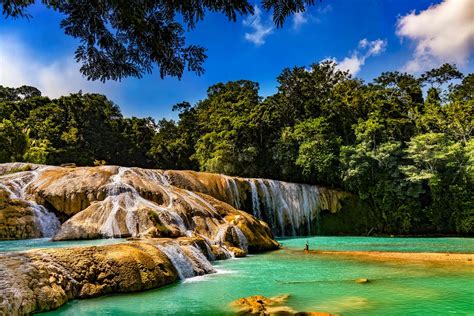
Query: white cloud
[323, 9]
[298, 20]
[442, 33]
[365, 50]
[19, 66]
[260, 29]
[301, 18]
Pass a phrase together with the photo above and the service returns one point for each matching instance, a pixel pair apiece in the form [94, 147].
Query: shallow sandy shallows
[428, 257]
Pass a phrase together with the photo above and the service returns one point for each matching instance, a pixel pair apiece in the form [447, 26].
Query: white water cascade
[242, 240]
[123, 197]
[233, 192]
[255, 200]
[289, 208]
[236, 233]
[179, 260]
[187, 260]
[16, 185]
[201, 264]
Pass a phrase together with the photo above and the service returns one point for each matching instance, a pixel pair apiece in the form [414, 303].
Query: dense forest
[402, 143]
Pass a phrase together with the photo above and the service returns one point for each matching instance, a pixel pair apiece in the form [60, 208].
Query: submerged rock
[362, 280]
[261, 305]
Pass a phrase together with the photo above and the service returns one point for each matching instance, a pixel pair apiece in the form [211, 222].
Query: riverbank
[433, 257]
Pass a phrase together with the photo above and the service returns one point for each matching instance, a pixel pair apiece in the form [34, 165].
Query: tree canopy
[119, 39]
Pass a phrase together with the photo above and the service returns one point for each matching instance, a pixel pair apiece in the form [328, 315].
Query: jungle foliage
[404, 144]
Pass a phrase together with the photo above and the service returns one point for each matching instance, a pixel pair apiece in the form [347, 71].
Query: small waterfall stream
[16, 185]
[188, 261]
[179, 259]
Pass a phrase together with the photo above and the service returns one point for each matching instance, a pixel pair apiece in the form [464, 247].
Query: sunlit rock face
[44, 279]
[17, 219]
[20, 216]
[111, 201]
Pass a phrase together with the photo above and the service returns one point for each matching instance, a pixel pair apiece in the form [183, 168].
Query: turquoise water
[382, 244]
[27, 244]
[314, 283]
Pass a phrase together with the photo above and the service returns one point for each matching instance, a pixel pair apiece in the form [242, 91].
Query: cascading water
[16, 185]
[201, 264]
[188, 260]
[123, 197]
[236, 234]
[178, 258]
[243, 242]
[233, 190]
[290, 209]
[255, 200]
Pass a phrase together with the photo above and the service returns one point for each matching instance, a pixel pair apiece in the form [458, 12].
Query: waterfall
[188, 260]
[200, 263]
[237, 235]
[233, 190]
[255, 200]
[178, 258]
[291, 209]
[16, 185]
[243, 242]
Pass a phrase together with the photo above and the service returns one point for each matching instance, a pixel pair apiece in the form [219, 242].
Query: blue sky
[364, 36]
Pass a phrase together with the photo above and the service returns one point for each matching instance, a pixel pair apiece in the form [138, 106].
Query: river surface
[314, 283]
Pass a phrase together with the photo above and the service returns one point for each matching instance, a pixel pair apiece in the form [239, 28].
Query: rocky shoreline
[44, 279]
[174, 233]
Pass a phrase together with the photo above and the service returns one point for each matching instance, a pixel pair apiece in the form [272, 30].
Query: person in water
[306, 246]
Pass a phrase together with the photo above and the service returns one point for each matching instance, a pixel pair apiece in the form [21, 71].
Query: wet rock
[261, 305]
[17, 219]
[45, 279]
[238, 253]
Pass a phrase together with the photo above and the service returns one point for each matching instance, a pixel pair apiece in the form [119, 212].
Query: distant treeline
[402, 143]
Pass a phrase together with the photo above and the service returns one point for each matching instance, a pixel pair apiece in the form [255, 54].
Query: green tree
[318, 152]
[12, 141]
[374, 174]
[226, 143]
[440, 163]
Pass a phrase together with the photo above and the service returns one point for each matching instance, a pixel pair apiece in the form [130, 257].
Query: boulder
[42, 280]
[362, 280]
[261, 305]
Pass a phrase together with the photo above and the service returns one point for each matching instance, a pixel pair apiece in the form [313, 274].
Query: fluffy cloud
[260, 29]
[298, 20]
[20, 66]
[442, 33]
[365, 50]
